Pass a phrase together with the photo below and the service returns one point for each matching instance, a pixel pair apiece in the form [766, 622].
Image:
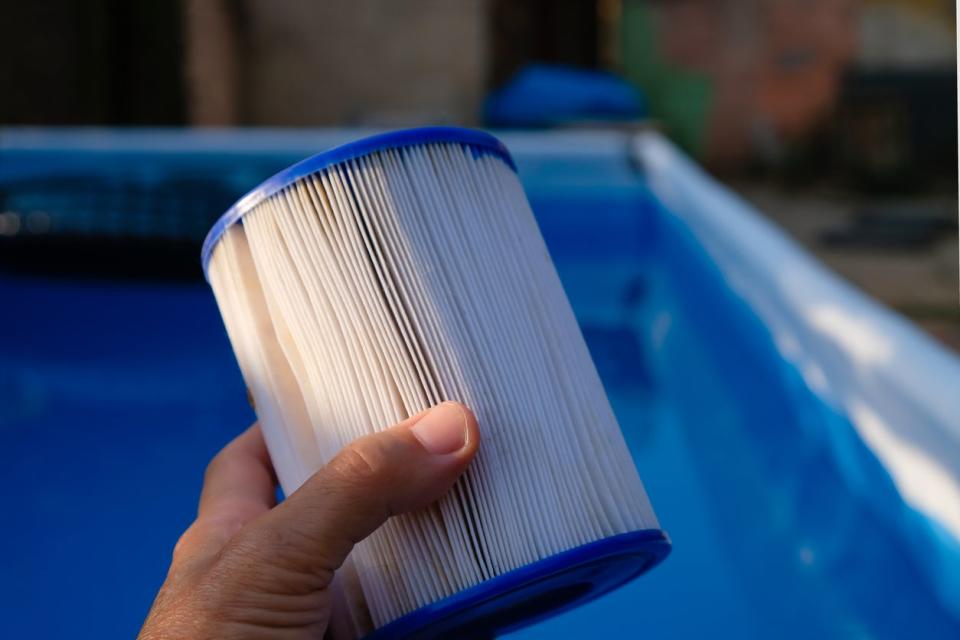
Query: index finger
[239, 485]
[239, 479]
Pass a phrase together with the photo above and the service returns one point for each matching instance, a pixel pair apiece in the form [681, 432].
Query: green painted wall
[678, 97]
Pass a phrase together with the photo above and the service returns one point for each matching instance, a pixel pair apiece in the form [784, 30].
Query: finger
[239, 485]
[400, 469]
[239, 478]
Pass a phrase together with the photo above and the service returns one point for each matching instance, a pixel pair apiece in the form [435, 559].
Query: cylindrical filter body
[370, 282]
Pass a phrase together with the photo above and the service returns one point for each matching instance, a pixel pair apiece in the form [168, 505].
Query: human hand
[249, 568]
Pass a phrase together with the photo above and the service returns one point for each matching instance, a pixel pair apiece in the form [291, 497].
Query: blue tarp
[543, 95]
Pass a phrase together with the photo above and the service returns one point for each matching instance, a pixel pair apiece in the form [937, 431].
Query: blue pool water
[114, 395]
[768, 541]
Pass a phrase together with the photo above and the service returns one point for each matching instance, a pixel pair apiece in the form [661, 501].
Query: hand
[249, 568]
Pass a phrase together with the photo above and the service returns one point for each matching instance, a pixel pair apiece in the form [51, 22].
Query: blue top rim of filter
[477, 140]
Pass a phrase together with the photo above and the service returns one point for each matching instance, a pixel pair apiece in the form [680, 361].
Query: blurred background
[834, 116]
[810, 487]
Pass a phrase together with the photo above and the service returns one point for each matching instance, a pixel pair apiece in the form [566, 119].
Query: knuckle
[186, 545]
[358, 462]
[212, 467]
[180, 548]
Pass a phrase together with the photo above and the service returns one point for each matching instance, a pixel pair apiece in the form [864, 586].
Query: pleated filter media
[368, 283]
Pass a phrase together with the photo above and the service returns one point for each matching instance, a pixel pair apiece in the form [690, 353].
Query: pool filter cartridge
[370, 282]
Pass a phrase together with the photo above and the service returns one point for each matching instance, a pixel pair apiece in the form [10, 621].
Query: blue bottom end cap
[536, 591]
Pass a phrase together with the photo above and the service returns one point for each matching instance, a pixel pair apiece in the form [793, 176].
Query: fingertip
[442, 430]
[472, 443]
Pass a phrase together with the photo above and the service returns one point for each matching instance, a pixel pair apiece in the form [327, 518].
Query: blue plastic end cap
[479, 141]
[536, 591]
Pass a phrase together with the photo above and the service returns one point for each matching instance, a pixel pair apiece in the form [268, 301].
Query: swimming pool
[790, 514]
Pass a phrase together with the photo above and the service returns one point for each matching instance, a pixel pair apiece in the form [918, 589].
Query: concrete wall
[291, 62]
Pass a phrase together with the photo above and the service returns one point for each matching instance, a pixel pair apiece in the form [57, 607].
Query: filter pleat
[496, 390]
[521, 345]
[457, 384]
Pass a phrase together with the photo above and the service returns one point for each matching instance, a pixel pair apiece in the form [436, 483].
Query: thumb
[403, 468]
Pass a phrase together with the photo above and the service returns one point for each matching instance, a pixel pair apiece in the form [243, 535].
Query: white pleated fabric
[373, 289]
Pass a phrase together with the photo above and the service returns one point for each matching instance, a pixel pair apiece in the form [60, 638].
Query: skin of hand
[250, 568]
